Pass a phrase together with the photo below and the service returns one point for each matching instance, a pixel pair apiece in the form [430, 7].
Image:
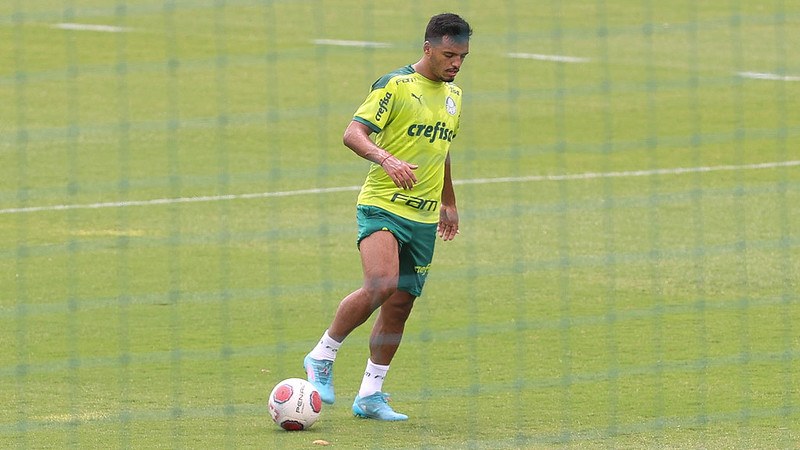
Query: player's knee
[381, 293]
[380, 289]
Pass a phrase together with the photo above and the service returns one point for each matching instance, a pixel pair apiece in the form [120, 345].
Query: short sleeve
[377, 110]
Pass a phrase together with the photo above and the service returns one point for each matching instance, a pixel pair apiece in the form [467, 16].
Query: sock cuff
[374, 366]
[330, 342]
[326, 348]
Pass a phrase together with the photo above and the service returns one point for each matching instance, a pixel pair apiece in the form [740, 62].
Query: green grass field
[177, 224]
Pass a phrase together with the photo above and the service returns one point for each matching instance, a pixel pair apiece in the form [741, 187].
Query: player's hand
[401, 172]
[448, 223]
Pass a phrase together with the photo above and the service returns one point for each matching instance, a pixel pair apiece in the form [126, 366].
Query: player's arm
[448, 213]
[356, 138]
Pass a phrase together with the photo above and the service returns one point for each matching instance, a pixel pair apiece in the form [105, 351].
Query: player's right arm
[356, 138]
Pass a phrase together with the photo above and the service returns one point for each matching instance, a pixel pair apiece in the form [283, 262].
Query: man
[405, 201]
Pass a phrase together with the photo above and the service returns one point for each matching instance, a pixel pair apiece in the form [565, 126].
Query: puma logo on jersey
[418, 97]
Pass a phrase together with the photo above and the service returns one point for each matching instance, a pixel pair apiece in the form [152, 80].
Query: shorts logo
[422, 270]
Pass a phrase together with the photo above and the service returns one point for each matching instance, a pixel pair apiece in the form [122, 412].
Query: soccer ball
[294, 404]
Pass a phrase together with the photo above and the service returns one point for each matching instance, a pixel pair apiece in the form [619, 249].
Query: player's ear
[426, 47]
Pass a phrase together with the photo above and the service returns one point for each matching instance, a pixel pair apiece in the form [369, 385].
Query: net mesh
[177, 223]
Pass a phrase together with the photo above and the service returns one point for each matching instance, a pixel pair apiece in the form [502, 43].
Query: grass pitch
[177, 224]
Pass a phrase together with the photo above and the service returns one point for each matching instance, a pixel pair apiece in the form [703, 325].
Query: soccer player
[406, 200]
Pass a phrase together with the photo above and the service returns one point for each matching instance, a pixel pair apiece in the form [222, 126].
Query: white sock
[326, 348]
[373, 379]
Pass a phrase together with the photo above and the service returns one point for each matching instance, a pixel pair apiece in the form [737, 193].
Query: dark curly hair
[447, 24]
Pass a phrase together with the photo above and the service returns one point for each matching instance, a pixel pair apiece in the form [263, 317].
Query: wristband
[384, 160]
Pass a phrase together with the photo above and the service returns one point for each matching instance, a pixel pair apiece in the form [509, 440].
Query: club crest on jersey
[450, 105]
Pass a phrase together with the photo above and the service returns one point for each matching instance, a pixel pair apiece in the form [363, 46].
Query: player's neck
[422, 68]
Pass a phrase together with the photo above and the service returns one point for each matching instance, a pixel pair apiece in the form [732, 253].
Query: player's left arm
[448, 213]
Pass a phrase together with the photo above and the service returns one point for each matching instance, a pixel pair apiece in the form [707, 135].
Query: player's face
[446, 57]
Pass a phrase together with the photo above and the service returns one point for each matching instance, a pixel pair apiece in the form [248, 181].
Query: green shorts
[416, 241]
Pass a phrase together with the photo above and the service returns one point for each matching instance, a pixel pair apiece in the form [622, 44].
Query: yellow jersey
[415, 119]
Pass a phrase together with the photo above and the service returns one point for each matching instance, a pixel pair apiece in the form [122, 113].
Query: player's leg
[414, 261]
[387, 333]
[379, 260]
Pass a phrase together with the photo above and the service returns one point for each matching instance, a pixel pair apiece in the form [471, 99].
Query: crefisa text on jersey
[432, 132]
[382, 106]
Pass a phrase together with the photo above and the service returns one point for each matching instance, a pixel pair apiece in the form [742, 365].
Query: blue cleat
[376, 406]
[320, 374]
